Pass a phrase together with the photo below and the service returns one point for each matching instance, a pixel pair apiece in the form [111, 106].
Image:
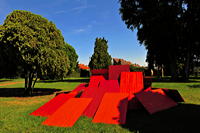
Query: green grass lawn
[15, 118]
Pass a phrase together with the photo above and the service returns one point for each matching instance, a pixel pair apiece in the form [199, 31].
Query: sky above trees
[81, 21]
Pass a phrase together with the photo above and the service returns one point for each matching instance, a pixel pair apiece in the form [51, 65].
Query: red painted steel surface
[68, 113]
[99, 71]
[131, 82]
[96, 94]
[112, 109]
[115, 71]
[95, 80]
[173, 94]
[154, 101]
[80, 87]
[157, 90]
[110, 85]
[103, 72]
[50, 107]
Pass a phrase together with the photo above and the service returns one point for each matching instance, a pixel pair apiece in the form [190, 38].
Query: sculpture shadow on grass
[19, 92]
[183, 118]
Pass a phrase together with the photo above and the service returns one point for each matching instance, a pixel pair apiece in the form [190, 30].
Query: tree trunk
[29, 83]
[35, 81]
[162, 71]
[173, 67]
[187, 65]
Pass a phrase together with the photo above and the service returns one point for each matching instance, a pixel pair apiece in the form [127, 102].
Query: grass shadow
[5, 80]
[19, 92]
[65, 80]
[168, 79]
[194, 86]
[183, 118]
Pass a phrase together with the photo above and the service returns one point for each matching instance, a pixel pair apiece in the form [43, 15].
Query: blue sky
[81, 21]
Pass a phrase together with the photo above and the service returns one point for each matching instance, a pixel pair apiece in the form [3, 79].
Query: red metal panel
[131, 82]
[115, 71]
[156, 90]
[99, 71]
[103, 72]
[80, 87]
[50, 107]
[96, 94]
[110, 85]
[68, 113]
[112, 109]
[154, 101]
[95, 80]
[173, 94]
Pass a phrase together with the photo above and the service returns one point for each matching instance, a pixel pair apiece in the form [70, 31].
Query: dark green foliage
[169, 29]
[35, 44]
[73, 57]
[137, 68]
[100, 58]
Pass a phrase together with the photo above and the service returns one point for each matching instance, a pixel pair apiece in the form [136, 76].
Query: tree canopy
[73, 57]
[100, 58]
[34, 43]
[168, 29]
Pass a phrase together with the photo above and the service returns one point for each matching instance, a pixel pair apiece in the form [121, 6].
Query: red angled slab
[80, 87]
[89, 92]
[112, 109]
[95, 80]
[103, 72]
[96, 94]
[154, 101]
[115, 71]
[110, 85]
[131, 82]
[99, 71]
[68, 113]
[50, 107]
[173, 94]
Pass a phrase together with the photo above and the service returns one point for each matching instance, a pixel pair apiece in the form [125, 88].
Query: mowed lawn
[15, 118]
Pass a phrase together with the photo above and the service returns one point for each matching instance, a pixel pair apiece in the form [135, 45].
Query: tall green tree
[73, 57]
[100, 58]
[167, 28]
[34, 43]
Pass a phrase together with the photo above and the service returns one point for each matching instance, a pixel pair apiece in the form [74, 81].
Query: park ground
[15, 118]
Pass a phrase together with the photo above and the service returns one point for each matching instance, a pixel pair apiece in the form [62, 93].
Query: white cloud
[84, 29]
[79, 30]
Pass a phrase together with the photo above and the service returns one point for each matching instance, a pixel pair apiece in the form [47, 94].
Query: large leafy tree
[33, 43]
[100, 58]
[167, 30]
[73, 57]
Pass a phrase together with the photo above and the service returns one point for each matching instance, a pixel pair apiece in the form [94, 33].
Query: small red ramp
[80, 87]
[154, 101]
[115, 71]
[96, 94]
[50, 107]
[112, 109]
[110, 85]
[95, 80]
[68, 113]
